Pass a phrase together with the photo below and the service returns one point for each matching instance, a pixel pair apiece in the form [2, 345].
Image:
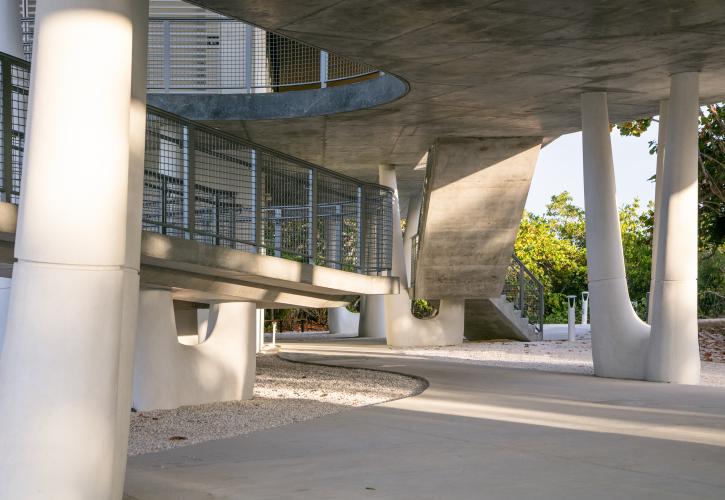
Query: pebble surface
[284, 392]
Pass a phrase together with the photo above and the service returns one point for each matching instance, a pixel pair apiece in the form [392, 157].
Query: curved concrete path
[476, 432]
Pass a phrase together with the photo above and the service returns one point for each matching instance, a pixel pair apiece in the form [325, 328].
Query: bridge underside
[483, 68]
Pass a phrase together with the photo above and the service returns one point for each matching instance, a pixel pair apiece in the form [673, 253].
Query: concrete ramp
[475, 194]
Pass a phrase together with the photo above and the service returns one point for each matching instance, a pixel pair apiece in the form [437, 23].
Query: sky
[560, 169]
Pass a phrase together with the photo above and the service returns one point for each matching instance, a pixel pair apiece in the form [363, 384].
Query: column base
[674, 352]
[168, 375]
[372, 316]
[340, 320]
[65, 376]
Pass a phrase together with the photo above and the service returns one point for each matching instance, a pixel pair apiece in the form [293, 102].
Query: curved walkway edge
[476, 432]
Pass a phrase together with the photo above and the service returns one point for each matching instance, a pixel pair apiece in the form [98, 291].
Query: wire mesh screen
[286, 208]
[187, 55]
[217, 189]
[338, 219]
[14, 85]
[377, 228]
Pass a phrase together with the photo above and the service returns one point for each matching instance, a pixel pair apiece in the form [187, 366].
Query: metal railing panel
[222, 55]
[208, 186]
[525, 292]
[14, 85]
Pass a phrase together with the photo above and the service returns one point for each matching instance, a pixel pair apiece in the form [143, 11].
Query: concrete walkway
[476, 432]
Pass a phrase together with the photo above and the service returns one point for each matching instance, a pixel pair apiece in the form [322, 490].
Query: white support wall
[168, 374]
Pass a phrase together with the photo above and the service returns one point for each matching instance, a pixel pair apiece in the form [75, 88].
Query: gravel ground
[554, 356]
[284, 393]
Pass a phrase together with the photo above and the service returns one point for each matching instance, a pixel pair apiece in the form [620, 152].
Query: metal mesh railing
[214, 188]
[526, 293]
[187, 55]
[204, 185]
[229, 56]
[14, 85]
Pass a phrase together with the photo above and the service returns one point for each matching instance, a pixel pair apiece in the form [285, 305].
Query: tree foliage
[553, 247]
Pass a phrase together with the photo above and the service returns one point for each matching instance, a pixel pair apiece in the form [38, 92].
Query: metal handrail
[206, 185]
[207, 55]
[525, 292]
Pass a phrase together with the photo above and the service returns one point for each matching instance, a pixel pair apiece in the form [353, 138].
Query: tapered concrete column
[65, 366]
[411, 230]
[168, 375]
[661, 150]
[11, 37]
[619, 337]
[4, 303]
[372, 316]
[673, 351]
[404, 329]
[11, 42]
[340, 320]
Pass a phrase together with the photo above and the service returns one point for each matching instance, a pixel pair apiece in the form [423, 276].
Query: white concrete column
[659, 173]
[11, 36]
[673, 354]
[372, 316]
[402, 328]
[4, 302]
[340, 320]
[619, 337]
[411, 230]
[260, 330]
[65, 370]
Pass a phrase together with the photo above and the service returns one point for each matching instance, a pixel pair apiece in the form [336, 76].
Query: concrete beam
[475, 197]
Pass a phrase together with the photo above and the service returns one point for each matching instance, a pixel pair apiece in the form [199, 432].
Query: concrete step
[490, 319]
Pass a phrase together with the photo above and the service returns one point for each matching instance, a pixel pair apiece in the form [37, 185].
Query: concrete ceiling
[484, 68]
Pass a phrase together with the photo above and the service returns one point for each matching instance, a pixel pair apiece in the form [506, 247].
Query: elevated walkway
[197, 272]
[228, 219]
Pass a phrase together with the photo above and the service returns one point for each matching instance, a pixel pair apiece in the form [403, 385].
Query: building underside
[150, 187]
[484, 69]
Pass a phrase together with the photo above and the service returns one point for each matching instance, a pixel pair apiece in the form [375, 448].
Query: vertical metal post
[278, 232]
[360, 229]
[258, 222]
[164, 193]
[541, 309]
[338, 236]
[522, 289]
[571, 327]
[324, 58]
[7, 123]
[253, 182]
[190, 179]
[312, 235]
[248, 58]
[167, 55]
[217, 217]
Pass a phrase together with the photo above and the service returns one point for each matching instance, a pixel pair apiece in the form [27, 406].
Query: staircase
[518, 314]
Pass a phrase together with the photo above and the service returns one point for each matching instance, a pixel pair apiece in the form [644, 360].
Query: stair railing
[525, 292]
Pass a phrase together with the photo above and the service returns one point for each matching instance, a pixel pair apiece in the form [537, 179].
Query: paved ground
[477, 432]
